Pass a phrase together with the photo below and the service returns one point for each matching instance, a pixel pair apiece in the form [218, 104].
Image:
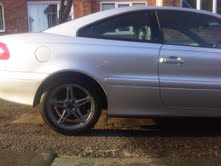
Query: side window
[173, 36]
[190, 29]
[128, 27]
[210, 33]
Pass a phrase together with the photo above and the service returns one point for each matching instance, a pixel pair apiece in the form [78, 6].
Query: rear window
[134, 26]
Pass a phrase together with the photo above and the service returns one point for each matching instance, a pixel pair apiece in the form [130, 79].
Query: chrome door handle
[172, 60]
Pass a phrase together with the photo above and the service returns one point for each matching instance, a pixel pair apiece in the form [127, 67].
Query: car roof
[70, 28]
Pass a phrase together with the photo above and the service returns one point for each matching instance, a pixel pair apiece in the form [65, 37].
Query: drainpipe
[198, 4]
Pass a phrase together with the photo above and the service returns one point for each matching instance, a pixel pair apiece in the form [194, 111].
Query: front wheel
[71, 106]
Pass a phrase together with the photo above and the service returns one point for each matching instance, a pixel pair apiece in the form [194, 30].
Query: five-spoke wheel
[71, 106]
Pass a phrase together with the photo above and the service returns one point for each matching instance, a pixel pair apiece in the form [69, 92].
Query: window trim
[154, 23]
[159, 2]
[119, 3]
[42, 2]
[3, 17]
[198, 5]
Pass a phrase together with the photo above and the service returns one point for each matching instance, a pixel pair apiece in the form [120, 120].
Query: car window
[190, 29]
[129, 27]
[210, 33]
[173, 36]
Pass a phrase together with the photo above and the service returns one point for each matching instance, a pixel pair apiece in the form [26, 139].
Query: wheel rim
[70, 107]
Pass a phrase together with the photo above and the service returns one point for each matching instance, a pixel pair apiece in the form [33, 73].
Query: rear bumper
[20, 87]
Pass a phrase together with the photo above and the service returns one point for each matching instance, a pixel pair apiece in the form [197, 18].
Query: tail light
[4, 52]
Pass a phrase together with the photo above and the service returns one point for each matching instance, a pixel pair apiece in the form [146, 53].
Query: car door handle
[172, 60]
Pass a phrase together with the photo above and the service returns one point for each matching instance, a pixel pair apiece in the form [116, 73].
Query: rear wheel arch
[48, 82]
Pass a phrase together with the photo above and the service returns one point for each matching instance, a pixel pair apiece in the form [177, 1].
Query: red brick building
[36, 15]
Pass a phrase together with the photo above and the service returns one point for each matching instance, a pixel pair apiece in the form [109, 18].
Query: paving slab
[26, 159]
[77, 161]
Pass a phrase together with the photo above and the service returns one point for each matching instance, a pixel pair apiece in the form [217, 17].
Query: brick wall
[171, 3]
[15, 16]
[82, 8]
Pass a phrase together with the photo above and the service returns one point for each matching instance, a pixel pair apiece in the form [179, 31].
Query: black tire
[49, 110]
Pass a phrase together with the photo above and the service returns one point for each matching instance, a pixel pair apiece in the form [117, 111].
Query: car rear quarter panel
[127, 71]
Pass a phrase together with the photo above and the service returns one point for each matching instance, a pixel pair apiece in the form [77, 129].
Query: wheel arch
[45, 85]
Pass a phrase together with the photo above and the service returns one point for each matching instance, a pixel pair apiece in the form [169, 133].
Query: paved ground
[76, 161]
[22, 130]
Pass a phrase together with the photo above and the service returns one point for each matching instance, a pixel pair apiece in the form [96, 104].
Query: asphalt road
[22, 130]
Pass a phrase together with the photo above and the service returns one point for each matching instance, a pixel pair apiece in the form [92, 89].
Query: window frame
[154, 23]
[130, 3]
[3, 17]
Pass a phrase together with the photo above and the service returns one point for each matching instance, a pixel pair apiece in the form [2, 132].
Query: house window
[42, 15]
[210, 5]
[2, 20]
[189, 4]
[111, 5]
[207, 5]
[106, 6]
[219, 6]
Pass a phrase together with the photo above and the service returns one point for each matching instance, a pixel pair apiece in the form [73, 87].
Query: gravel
[113, 137]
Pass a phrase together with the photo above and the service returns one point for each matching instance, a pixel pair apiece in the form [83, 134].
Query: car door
[128, 46]
[190, 59]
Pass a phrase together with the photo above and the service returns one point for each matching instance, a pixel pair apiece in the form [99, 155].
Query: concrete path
[77, 161]
[26, 159]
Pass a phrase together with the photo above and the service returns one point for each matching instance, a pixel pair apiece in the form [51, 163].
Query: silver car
[137, 62]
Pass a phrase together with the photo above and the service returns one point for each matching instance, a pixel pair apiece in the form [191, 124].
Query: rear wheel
[71, 106]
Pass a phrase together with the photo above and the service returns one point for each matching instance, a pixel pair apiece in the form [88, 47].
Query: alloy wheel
[71, 107]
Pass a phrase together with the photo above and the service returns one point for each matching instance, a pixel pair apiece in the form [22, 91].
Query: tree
[65, 9]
